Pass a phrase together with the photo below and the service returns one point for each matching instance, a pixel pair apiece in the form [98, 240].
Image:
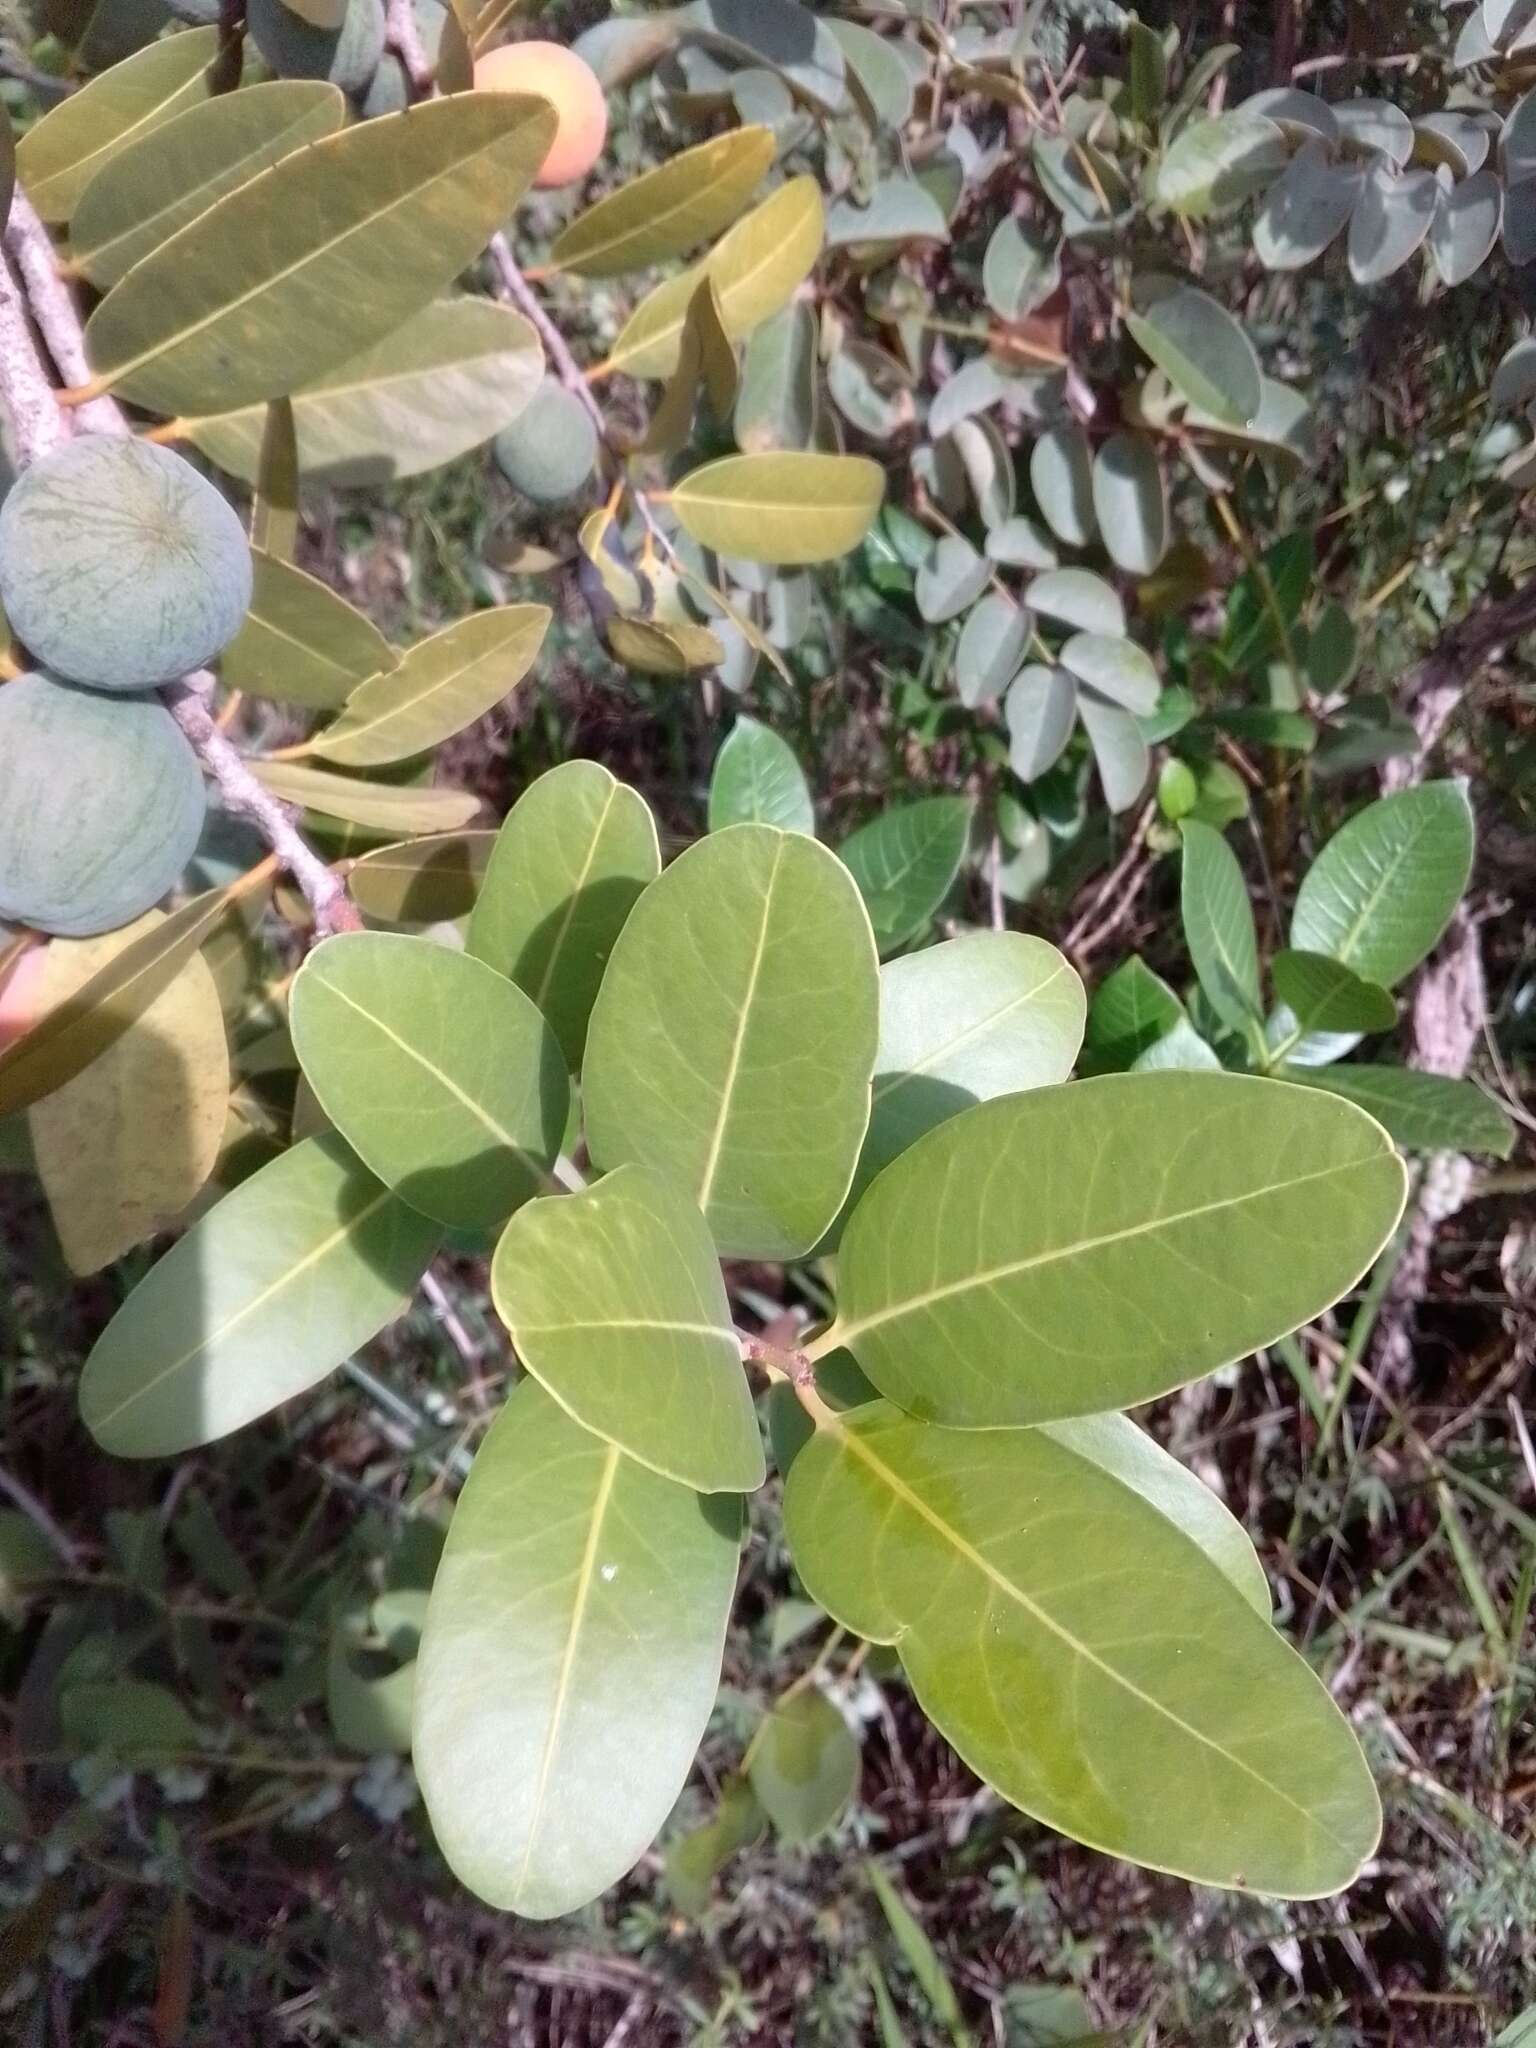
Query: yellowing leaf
[124, 1147]
[301, 643]
[379, 806]
[319, 257]
[665, 212]
[755, 269]
[654, 649]
[781, 508]
[437, 688]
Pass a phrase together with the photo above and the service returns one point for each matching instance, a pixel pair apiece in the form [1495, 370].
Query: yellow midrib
[882, 1090]
[498, 648]
[733, 1067]
[656, 221]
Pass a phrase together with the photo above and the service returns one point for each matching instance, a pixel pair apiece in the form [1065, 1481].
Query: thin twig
[1077, 938]
[1432, 689]
[41, 426]
[403, 36]
[39, 1517]
[516, 287]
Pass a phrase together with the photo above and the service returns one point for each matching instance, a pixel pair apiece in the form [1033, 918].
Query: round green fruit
[101, 806]
[550, 449]
[347, 56]
[120, 566]
[388, 92]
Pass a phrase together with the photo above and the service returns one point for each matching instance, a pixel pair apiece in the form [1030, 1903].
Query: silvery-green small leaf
[1118, 748]
[1130, 501]
[1215, 163]
[1517, 141]
[974, 386]
[1392, 216]
[1304, 209]
[1519, 228]
[988, 464]
[1283, 425]
[992, 643]
[1202, 351]
[776, 399]
[899, 210]
[758, 781]
[1017, 273]
[1332, 649]
[779, 33]
[1061, 476]
[1369, 124]
[953, 577]
[877, 74]
[871, 389]
[1078, 179]
[1020, 543]
[1078, 598]
[1514, 381]
[1507, 21]
[1041, 709]
[905, 862]
[1472, 45]
[1453, 136]
[1302, 115]
[1116, 668]
[1466, 226]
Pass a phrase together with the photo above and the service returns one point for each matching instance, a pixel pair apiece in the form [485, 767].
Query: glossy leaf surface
[905, 863]
[1385, 887]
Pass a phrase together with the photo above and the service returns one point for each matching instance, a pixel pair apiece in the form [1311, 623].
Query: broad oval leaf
[1225, 1220]
[615, 1304]
[1061, 476]
[422, 881]
[168, 177]
[790, 507]
[378, 806]
[779, 33]
[1305, 208]
[1325, 995]
[436, 688]
[1130, 502]
[990, 649]
[1017, 272]
[733, 1038]
[1041, 710]
[776, 401]
[1214, 164]
[905, 863]
[1218, 925]
[1008, 1566]
[59, 156]
[1119, 749]
[1202, 351]
[440, 1074]
[992, 1013]
[319, 257]
[444, 382]
[301, 643]
[269, 1293]
[666, 211]
[951, 579]
[804, 1764]
[1385, 887]
[1117, 669]
[569, 1661]
[756, 269]
[568, 867]
[1466, 226]
[758, 781]
[124, 1148]
[1421, 1112]
[1078, 598]
[1392, 216]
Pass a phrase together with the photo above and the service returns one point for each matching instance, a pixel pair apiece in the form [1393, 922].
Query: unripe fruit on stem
[20, 985]
[120, 566]
[550, 449]
[558, 75]
[101, 806]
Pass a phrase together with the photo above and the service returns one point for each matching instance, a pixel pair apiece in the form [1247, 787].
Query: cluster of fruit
[121, 569]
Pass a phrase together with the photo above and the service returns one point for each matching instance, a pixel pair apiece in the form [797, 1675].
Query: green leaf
[1265, 604]
[1324, 995]
[733, 1038]
[1041, 710]
[166, 178]
[1078, 598]
[905, 863]
[1384, 888]
[776, 400]
[439, 1073]
[1520, 2033]
[695, 1860]
[1420, 1112]
[319, 257]
[1061, 477]
[990, 649]
[569, 1662]
[1167, 1724]
[881, 81]
[804, 1765]
[758, 781]
[1218, 925]
[899, 210]
[919, 1953]
[951, 579]
[1017, 272]
[666, 211]
[269, 1293]
[1391, 218]
[422, 881]
[301, 643]
[378, 806]
[135, 1721]
[1305, 208]
[615, 1304]
[446, 381]
[1130, 502]
[780, 34]
[1229, 1218]
[368, 1694]
[675, 649]
[275, 499]
[1214, 164]
[59, 156]
[789, 507]
[1119, 749]
[1115, 668]
[756, 268]
[992, 1013]
[1148, 67]
[568, 867]
[1131, 1010]
[436, 688]
[1202, 351]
